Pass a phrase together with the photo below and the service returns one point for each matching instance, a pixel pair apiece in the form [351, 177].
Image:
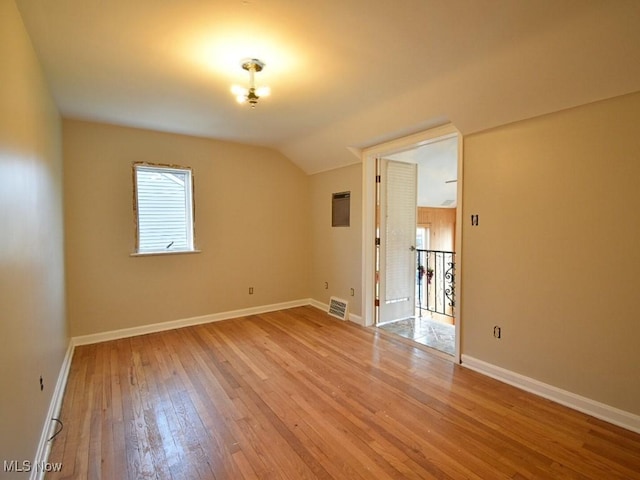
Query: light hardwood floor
[297, 394]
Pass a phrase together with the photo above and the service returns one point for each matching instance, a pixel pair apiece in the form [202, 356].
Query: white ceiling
[437, 172]
[344, 74]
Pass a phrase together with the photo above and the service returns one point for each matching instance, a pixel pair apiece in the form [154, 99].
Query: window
[423, 237]
[163, 206]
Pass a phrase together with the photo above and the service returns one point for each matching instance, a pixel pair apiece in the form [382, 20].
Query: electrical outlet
[250, 290]
[353, 292]
[326, 285]
[41, 383]
[497, 332]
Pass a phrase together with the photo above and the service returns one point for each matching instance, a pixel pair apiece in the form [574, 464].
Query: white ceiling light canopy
[251, 94]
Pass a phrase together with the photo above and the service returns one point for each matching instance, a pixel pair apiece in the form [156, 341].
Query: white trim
[319, 305]
[586, 405]
[173, 252]
[411, 141]
[49, 427]
[458, 247]
[368, 239]
[186, 322]
[356, 319]
[596, 409]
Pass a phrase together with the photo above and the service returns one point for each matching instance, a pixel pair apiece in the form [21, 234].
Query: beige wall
[251, 225]
[336, 251]
[33, 336]
[555, 258]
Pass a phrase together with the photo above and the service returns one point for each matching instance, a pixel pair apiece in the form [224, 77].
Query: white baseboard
[325, 307]
[44, 445]
[185, 322]
[596, 409]
[356, 319]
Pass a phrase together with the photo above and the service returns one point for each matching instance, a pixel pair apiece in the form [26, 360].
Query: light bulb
[263, 91]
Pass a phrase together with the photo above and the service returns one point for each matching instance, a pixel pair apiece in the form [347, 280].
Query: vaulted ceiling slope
[344, 74]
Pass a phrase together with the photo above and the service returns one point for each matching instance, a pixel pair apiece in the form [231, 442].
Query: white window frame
[186, 242]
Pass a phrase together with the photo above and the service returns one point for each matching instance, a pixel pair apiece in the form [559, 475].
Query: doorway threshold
[435, 335]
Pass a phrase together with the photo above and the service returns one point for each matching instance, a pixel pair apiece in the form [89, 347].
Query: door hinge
[377, 302]
[378, 179]
[378, 241]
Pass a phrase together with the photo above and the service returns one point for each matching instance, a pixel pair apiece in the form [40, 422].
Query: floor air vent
[338, 308]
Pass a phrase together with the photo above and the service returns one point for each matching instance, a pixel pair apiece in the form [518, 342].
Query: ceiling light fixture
[251, 94]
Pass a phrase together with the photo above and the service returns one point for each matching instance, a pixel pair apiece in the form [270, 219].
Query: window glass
[164, 209]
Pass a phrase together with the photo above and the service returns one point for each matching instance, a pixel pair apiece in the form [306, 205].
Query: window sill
[153, 254]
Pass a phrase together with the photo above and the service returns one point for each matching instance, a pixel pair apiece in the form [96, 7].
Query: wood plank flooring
[297, 394]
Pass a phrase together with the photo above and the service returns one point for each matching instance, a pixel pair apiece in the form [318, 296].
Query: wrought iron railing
[436, 282]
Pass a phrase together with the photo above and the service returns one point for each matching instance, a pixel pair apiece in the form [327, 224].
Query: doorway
[434, 252]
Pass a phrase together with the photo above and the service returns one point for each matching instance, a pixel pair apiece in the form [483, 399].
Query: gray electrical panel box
[340, 209]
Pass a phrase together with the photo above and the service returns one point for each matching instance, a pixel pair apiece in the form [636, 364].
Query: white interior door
[397, 254]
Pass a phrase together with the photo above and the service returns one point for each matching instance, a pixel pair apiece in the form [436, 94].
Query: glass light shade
[263, 91]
